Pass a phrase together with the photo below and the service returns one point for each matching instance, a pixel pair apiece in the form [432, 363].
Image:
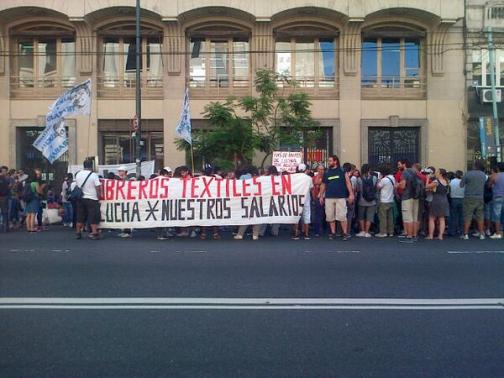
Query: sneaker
[402, 236]
[125, 235]
[391, 235]
[488, 233]
[406, 240]
[476, 234]
[381, 235]
[361, 234]
[307, 238]
[238, 237]
[254, 237]
[482, 237]
[162, 237]
[496, 236]
[332, 236]
[94, 236]
[464, 237]
[347, 237]
[78, 235]
[295, 237]
[368, 235]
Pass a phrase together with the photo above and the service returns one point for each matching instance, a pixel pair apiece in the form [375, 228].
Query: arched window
[393, 58]
[117, 61]
[44, 57]
[220, 58]
[307, 55]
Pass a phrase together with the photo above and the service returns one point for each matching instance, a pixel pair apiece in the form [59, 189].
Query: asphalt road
[275, 307]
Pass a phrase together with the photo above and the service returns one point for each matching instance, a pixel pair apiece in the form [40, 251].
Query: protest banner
[104, 170]
[203, 201]
[287, 161]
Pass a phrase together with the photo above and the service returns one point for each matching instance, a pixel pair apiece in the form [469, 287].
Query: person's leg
[256, 230]
[382, 216]
[432, 220]
[497, 210]
[241, 232]
[442, 226]
[389, 211]
[330, 210]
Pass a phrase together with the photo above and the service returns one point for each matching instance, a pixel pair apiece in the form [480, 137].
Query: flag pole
[192, 158]
[138, 96]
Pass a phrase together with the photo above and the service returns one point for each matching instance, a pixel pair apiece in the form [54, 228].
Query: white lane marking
[190, 251]
[354, 251]
[254, 301]
[60, 250]
[21, 250]
[154, 251]
[473, 252]
[231, 307]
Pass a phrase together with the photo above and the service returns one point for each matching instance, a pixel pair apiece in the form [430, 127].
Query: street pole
[491, 58]
[138, 97]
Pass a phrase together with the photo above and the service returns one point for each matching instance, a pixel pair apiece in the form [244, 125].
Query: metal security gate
[389, 144]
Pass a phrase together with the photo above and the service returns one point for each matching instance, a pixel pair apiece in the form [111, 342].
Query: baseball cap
[122, 168]
[168, 169]
[302, 167]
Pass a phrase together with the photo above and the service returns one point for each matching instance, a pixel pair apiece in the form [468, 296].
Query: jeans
[4, 212]
[14, 208]
[318, 217]
[68, 213]
[456, 219]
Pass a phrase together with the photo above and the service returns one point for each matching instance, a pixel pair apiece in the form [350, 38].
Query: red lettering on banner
[164, 187]
[194, 187]
[227, 188]
[109, 189]
[273, 186]
[142, 193]
[132, 185]
[258, 185]
[235, 193]
[184, 187]
[206, 189]
[219, 183]
[154, 189]
[119, 189]
[245, 185]
[286, 184]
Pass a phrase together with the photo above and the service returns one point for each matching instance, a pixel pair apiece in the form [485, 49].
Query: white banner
[287, 161]
[53, 141]
[203, 201]
[147, 169]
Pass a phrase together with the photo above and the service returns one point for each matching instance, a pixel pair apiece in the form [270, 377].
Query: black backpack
[368, 189]
[417, 187]
[27, 195]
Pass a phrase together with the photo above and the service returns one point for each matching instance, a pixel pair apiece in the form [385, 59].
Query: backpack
[27, 195]
[76, 194]
[417, 189]
[368, 189]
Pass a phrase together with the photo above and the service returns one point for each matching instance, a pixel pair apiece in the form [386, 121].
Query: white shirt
[89, 190]
[386, 186]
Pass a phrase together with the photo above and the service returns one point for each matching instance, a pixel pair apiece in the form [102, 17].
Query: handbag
[77, 193]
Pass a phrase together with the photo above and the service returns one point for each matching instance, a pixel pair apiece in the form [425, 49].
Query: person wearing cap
[306, 215]
[122, 173]
[169, 171]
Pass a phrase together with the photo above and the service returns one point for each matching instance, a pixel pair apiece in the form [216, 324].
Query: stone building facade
[481, 15]
[385, 78]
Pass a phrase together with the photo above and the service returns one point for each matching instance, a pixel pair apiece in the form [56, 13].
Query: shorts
[336, 209]
[306, 215]
[474, 207]
[498, 206]
[409, 211]
[367, 213]
[88, 211]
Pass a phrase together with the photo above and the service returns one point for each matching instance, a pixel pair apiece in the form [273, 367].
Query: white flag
[184, 126]
[53, 141]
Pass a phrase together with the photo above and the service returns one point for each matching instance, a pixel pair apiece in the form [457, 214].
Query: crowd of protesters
[404, 201]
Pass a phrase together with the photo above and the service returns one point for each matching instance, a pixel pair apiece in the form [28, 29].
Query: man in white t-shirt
[88, 208]
[386, 186]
